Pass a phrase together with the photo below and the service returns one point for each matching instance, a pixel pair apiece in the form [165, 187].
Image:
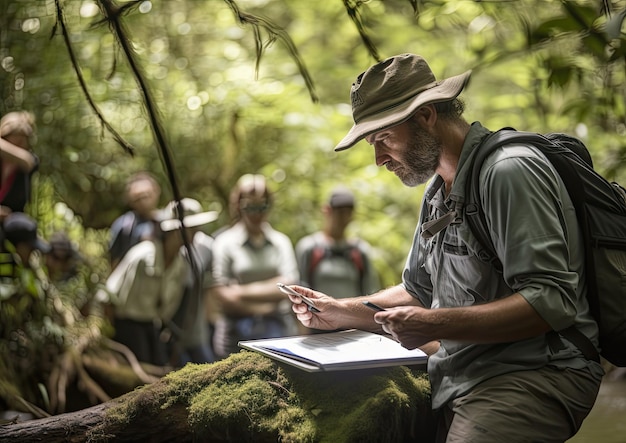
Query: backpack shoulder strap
[558, 156]
[474, 213]
[548, 146]
[317, 253]
[358, 259]
[128, 223]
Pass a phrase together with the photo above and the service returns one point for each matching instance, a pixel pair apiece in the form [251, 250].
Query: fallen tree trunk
[74, 427]
[250, 398]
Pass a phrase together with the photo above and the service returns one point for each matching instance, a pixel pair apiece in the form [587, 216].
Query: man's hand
[505, 320]
[345, 313]
[407, 325]
[330, 315]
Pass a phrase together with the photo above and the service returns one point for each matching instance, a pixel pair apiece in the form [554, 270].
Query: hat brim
[190, 221]
[41, 245]
[445, 90]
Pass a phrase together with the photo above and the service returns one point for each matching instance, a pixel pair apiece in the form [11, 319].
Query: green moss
[390, 404]
[248, 397]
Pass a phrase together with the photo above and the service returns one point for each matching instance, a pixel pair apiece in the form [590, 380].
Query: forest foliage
[231, 98]
[201, 92]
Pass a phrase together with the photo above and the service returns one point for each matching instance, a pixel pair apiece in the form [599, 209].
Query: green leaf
[595, 46]
[560, 76]
[583, 14]
[552, 27]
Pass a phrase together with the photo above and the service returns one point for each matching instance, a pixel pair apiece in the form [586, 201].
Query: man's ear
[426, 116]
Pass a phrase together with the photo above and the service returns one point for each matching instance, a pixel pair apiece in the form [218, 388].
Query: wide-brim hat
[390, 92]
[193, 215]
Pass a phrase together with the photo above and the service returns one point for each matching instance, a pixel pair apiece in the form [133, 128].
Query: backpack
[601, 212]
[352, 254]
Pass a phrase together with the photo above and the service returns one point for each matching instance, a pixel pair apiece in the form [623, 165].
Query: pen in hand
[373, 306]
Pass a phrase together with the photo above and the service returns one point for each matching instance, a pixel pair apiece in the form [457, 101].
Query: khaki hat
[192, 212]
[390, 92]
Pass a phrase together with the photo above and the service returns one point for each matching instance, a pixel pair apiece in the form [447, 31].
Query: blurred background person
[332, 263]
[22, 280]
[21, 240]
[17, 162]
[250, 258]
[26, 317]
[62, 259]
[147, 286]
[69, 272]
[193, 342]
[142, 193]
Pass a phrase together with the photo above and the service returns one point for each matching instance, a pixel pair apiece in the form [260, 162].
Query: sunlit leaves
[537, 65]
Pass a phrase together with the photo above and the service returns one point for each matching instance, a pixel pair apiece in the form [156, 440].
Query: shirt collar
[244, 239]
[472, 141]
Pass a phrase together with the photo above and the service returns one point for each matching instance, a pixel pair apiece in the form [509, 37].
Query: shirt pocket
[462, 279]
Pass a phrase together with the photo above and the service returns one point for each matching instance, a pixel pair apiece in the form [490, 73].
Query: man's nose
[380, 155]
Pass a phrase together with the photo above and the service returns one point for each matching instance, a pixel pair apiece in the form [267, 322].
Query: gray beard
[421, 157]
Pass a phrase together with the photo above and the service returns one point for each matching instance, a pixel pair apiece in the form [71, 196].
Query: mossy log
[250, 398]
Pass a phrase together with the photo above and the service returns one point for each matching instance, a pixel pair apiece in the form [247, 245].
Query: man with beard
[498, 370]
